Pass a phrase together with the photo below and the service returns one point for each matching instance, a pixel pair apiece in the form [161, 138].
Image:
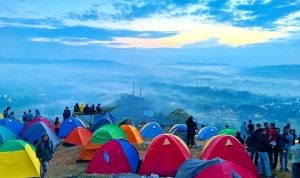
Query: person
[6, 112]
[286, 143]
[250, 127]
[76, 108]
[92, 109]
[271, 139]
[276, 148]
[293, 133]
[57, 125]
[98, 109]
[262, 148]
[227, 126]
[24, 118]
[240, 138]
[35, 143]
[295, 152]
[254, 153]
[86, 109]
[44, 152]
[244, 130]
[191, 131]
[29, 116]
[12, 115]
[37, 114]
[67, 113]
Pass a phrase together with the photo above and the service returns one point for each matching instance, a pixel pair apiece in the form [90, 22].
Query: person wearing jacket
[286, 143]
[191, 131]
[295, 152]
[44, 152]
[276, 148]
[262, 148]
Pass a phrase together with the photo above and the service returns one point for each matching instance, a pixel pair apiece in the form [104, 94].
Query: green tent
[106, 133]
[6, 134]
[228, 131]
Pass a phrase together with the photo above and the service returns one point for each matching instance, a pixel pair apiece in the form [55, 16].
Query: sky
[237, 32]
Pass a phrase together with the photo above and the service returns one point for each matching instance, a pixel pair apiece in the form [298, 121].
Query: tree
[178, 116]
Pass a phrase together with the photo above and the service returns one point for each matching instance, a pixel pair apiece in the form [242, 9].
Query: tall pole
[140, 91]
[133, 88]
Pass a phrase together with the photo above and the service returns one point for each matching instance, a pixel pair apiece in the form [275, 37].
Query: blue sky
[251, 32]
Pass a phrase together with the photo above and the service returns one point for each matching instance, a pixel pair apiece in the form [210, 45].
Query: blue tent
[12, 124]
[207, 132]
[179, 130]
[6, 134]
[100, 123]
[151, 130]
[213, 168]
[105, 115]
[68, 125]
[36, 131]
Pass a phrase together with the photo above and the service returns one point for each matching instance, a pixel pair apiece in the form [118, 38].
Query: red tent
[78, 136]
[230, 149]
[115, 157]
[164, 156]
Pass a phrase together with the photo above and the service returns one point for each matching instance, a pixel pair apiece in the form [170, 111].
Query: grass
[65, 163]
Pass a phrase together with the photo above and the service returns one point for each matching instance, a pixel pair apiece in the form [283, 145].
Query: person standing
[44, 152]
[24, 117]
[262, 148]
[67, 113]
[276, 148]
[6, 112]
[286, 143]
[98, 109]
[57, 125]
[244, 130]
[29, 116]
[295, 152]
[250, 127]
[191, 131]
[37, 114]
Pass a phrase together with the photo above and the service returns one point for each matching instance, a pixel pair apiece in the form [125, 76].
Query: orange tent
[133, 135]
[78, 136]
[88, 151]
[230, 149]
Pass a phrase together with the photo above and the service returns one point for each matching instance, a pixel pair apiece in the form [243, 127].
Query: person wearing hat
[44, 152]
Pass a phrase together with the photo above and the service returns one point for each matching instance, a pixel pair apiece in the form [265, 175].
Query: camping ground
[65, 163]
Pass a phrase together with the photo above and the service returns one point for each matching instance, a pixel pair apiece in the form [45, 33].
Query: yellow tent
[18, 160]
[1, 116]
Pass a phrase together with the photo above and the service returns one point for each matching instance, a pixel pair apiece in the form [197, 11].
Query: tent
[164, 156]
[179, 130]
[41, 119]
[151, 130]
[228, 131]
[6, 134]
[106, 133]
[104, 115]
[18, 159]
[207, 132]
[12, 124]
[115, 157]
[133, 134]
[196, 168]
[230, 149]
[100, 123]
[126, 121]
[1, 116]
[78, 136]
[35, 132]
[68, 125]
[88, 151]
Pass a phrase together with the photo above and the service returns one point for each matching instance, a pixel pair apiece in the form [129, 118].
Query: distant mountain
[278, 71]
